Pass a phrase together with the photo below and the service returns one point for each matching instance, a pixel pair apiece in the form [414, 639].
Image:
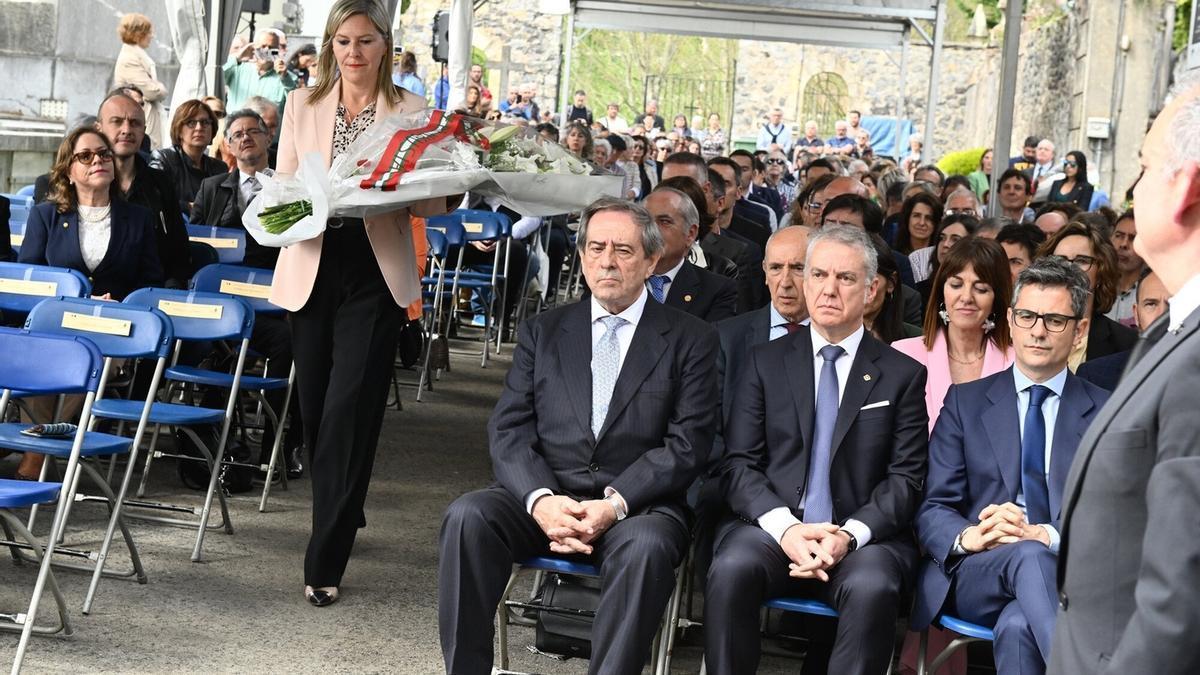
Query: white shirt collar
[632, 313]
[778, 320]
[850, 344]
[1184, 302]
[1054, 384]
[266, 171]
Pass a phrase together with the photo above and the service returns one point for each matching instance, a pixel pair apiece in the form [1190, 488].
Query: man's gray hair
[602, 143]
[1056, 272]
[259, 104]
[684, 206]
[652, 241]
[855, 237]
[1184, 129]
[242, 114]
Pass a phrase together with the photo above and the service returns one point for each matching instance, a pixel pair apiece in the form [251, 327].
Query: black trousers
[344, 341]
[485, 532]
[749, 568]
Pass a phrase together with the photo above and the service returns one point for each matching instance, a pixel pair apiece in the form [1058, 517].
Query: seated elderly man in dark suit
[998, 459]
[825, 451]
[606, 418]
[676, 281]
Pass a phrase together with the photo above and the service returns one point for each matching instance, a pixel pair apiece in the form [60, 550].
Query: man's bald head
[783, 266]
[844, 185]
[122, 120]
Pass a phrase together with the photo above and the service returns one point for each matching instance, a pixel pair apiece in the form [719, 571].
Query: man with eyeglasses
[998, 460]
[269, 113]
[778, 179]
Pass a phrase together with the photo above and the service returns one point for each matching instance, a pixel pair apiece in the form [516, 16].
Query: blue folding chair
[195, 317]
[22, 286]
[253, 285]
[26, 191]
[968, 632]
[120, 332]
[76, 367]
[434, 296]
[230, 242]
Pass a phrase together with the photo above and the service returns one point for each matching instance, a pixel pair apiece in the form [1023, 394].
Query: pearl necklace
[98, 213]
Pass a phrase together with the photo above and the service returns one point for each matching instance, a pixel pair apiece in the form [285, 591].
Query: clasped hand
[1001, 524]
[571, 525]
[814, 549]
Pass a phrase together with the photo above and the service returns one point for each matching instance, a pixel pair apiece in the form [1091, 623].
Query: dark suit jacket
[879, 454]
[739, 336]
[768, 197]
[754, 211]
[702, 294]
[131, 262]
[6, 252]
[658, 433]
[217, 204]
[1104, 372]
[1129, 585]
[975, 460]
[1106, 336]
[1082, 194]
[751, 281]
[750, 231]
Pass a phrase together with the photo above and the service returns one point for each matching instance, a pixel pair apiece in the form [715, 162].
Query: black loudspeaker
[256, 6]
[441, 37]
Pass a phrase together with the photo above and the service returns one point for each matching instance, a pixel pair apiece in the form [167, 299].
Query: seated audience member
[989, 227]
[713, 262]
[808, 205]
[1020, 244]
[186, 161]
[676, 282]
[1131, 266]
[951, 230]
[998, 462]
[858, 211]
[269, 112]
[965, 336]
[1052, 217]
[891, 192]
[1106, 371]
[980, 180]
[919, 218]
[952, 184]
[6, 252]
[820, 512]
[961, 201]
[1016, 189]
[738, 224]
[884, 315]
[1092, 252]
[606, 418]
[223, 199]
[1073, 187]
[750, 203]
[87, 227]
[931, 174]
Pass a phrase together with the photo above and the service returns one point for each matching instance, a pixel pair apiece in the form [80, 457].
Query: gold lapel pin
[687, 298]
[866, 378]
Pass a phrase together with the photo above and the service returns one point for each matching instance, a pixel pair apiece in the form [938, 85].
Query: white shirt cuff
[1055, 538]
[533, 497]
[859, 529]
[622, 505]
[777, 521]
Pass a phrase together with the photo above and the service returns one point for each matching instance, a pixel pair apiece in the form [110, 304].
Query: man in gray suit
[606, 418]
[1129, 582]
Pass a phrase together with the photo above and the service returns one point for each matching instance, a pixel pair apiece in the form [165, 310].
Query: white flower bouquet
[410, 157]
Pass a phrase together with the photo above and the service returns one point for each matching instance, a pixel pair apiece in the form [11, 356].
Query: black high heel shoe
[321, 597]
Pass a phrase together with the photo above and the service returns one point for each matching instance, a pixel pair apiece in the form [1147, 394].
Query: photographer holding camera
[257, 69]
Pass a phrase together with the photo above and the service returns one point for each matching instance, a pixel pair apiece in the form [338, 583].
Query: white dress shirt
[246, 188]
[670, 274]
[632, 315]
[777, 521]
[1184, 302]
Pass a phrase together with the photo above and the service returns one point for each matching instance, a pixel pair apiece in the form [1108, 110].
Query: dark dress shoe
[321, 597]
[295, 463]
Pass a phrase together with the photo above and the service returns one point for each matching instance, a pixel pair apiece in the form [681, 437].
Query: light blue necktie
[818, 499]
[1033, 459]
[606, 365]
[658, 287]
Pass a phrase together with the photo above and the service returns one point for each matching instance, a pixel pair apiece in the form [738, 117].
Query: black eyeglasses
[88, 156]
[1055, 323]
[1083, 262]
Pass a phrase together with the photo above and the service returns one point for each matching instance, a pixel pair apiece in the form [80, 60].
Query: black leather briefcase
[564, 625]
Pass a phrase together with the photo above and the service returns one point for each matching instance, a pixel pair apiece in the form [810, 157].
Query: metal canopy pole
[935, 67]
[462, 16]
[901, 99]
[564, 89]
[1008, 93]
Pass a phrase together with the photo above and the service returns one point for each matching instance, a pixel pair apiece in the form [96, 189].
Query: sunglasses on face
[776, 160]
[88, 156]
[1070, 164]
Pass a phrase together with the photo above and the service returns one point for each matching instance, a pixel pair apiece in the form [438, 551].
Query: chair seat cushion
[160, 413]
[560, 565]
[15, 494]
[801, 605]
[94, 442]
[966, 628]
[214, 378]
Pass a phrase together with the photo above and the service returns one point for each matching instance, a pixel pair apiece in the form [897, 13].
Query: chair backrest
[22, 285]
[450, 225]
[479, 225]
[230, 242]
[19, 206]
[26, 191]
[203, 254]
[118, 330]
[251, 284]
[198, 316]
[48, 364]
[437, 243]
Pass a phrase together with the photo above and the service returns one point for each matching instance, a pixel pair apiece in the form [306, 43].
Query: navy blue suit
[975, 461]
[52, 238]
[1104, 372]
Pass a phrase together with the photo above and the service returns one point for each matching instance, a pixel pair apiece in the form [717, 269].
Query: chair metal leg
[277, 447]
[26, 621]
[141, 491]
[922, 646]
[502, 618]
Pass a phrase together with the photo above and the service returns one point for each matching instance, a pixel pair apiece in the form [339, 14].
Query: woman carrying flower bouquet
[345, 290]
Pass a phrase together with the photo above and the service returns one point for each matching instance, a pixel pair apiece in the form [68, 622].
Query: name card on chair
[246, 290]
[473, 228]
[96, 324]
[216, 242]
[16, 239]
[189, 310]
[46, 289]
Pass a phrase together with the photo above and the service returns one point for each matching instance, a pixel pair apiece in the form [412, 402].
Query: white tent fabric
[185, 18]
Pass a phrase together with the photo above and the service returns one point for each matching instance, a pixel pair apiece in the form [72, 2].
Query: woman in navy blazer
[85, 227]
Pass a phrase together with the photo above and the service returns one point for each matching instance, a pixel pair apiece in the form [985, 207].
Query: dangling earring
[988, 325]
[944, 314]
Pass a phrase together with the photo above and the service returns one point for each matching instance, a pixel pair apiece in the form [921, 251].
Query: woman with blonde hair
[135, 67]
[345, 290]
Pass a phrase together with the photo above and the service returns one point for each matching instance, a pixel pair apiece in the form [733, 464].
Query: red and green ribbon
[407, 145]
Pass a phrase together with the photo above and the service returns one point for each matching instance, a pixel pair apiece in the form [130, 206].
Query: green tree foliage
[1183, 23]
[613, 67]
[961, 162]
